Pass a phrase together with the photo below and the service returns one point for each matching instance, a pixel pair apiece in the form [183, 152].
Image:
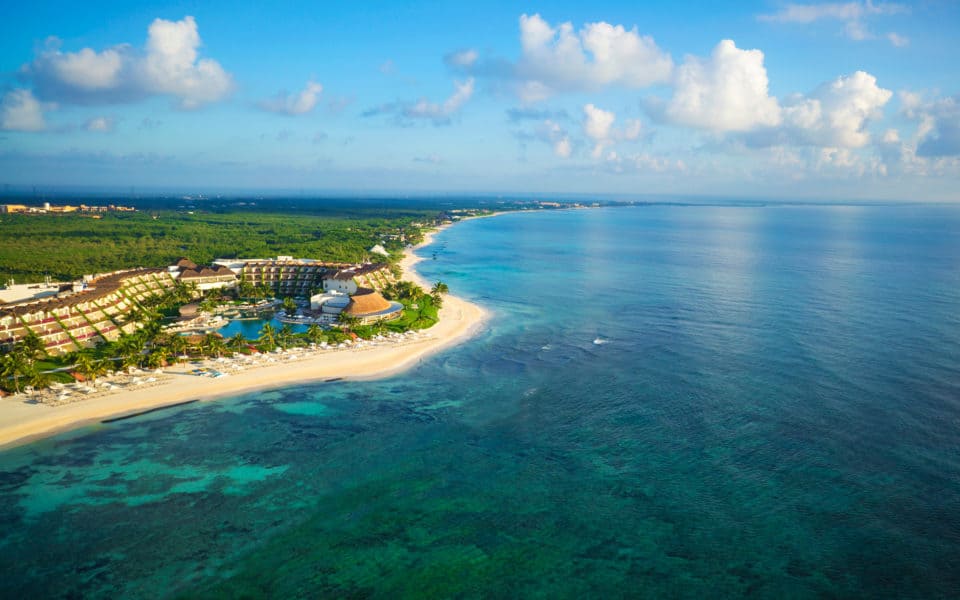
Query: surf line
[148, 411]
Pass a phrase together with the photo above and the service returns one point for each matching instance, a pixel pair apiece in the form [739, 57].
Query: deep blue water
[774, 411]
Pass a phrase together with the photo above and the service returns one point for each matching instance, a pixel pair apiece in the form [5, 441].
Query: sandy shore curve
[21, 422]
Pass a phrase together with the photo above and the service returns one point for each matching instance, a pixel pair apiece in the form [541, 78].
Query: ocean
[668, 401]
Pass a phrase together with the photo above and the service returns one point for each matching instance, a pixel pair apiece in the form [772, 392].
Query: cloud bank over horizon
[601, 98]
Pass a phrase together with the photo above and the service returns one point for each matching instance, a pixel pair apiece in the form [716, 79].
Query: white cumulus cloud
[21, 111]
[168, 64]
[836, 113]
[294, 104]
[87, 69]
[726, 92]
[171, 65]
[598, 126]
[597, 122]
[559, 59]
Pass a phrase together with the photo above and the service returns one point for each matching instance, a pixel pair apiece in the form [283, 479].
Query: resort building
[288, 276]
[204, 278]
[13, 293]
[370, 307]
[329, 305]
[70, 316]
[350, 279]
[100, 310]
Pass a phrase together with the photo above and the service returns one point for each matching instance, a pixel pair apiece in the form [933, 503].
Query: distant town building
[46, 207]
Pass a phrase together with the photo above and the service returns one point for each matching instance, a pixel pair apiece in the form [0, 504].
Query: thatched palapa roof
[366, 302]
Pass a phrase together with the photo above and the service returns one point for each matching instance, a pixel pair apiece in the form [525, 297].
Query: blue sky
[845, 100]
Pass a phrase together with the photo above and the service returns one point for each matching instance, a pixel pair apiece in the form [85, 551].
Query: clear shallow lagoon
[775, 412]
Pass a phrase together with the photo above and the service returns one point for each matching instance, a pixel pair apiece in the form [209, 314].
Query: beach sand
[21, 422]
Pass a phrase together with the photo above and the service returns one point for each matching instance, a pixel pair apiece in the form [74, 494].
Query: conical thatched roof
[366, 302]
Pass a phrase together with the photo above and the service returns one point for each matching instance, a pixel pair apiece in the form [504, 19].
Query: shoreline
[21, 423]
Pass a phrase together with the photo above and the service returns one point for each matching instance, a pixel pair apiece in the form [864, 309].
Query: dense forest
[66, 246]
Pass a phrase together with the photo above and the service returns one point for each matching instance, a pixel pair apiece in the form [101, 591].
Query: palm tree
[237, 342]
[289, 306]
[315, 333]
[32, 347]
[244, 288]
[213, 344]
[178, 345]
[157, 357]
[151, 328]
[184, 292]
[37, 378]
[408, 290]
[268, 337]
[346, 320]
[130, 348]
[208, 304]
[439, 288]
[389, 291]
[88, 365]
[285, 336]
[15, 365]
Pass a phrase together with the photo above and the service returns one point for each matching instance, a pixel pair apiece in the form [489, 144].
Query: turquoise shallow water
[774, 411]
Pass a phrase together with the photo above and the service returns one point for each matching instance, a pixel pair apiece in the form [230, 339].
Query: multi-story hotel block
[288, 276]
[99, 311]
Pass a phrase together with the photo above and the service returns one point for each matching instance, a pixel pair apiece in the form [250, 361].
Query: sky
[769, 99]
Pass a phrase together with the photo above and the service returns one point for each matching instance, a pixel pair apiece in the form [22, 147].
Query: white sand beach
[21, 421]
